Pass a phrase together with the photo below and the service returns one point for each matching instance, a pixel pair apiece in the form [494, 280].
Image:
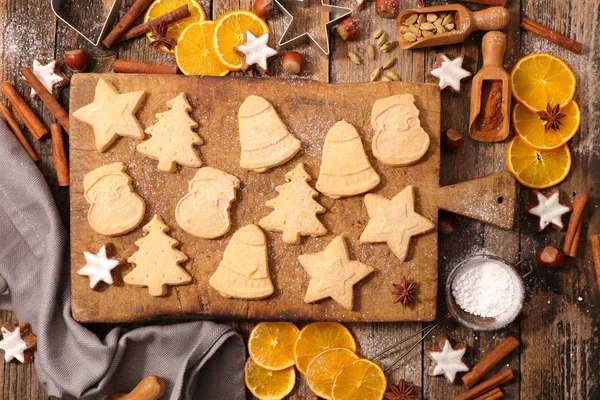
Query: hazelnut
[387, 8]
[550, 257]
[76, 60]
[348, 28]
[293, 62]
[263, 8]
[452, 139]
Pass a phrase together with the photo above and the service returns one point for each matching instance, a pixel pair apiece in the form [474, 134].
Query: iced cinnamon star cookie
[49, 75]
[333, 274]
[447, 360]
[255, 51]
[549, 209]
[449, 72]
[399, 139]
[112, 114]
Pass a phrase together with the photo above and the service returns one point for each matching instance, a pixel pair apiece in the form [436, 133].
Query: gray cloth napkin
[200, 360]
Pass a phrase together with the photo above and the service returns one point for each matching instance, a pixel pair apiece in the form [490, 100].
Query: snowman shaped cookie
[115, 208]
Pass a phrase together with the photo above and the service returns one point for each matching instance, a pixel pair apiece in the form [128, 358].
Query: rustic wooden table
[560, 353]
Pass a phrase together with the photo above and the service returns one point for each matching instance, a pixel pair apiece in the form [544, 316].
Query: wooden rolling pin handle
[493, 48]
[151, 387]
[491, 19]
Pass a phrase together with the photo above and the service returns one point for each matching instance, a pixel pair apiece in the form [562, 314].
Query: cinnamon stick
[501, 3]
[49, 101]
[551, 35]
[487, 363]
[10, 120]
[173, 16]
[575, 224]
[595, 239]
[491, 395]
[31, 121]
[134, 67]
[486, 386]
[129, 18]
[61, 162]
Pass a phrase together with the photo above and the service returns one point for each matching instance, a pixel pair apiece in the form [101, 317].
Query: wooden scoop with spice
[490, 93]
[453, 23]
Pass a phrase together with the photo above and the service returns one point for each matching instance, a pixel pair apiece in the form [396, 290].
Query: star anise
[404, 292]
[552, 116]
[401, 391]
[158, 34]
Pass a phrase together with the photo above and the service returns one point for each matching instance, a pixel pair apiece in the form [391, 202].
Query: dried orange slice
[532, 129]
[268, 385]
[323, 368]
[162, 7]
[319, 336]
[360, 380]
[541, 79]
[229, 33]
[194, 53]
[537, 169]
[271, 344]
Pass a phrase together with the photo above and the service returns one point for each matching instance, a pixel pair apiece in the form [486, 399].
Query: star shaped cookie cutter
[342, 13]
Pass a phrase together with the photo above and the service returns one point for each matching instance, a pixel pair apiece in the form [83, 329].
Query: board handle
[490, 199]
[491, 19]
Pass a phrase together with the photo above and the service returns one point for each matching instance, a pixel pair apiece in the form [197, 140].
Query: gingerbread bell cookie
[49, 75]
[449, 72]
[295, 210]
[264, 138]
[173, 138]
[345, 168]
[101, 266]
[204, 210]
[255, 51]
[112, 114]
[548, 209]
[243, 273]
[333, 274]
[399, 139]
[17, 342]
[157, 260]
[115, 208]
[447, 360]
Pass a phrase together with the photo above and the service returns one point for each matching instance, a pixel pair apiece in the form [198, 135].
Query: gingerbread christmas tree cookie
[173, 137]
[333, 274]
[157, 260]
[295, 210]
[204, 211]
[243, 273]
[399, 139]
[345, 168]
[115, 208]
[447, 360]
[394, 221]
[112, 114]
[265, 140]
[17, 342]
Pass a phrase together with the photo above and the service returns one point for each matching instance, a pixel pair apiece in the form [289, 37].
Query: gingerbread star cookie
[399, 139]
[345, 168]
[449, 72]
[255, 51]
[112, 114]
[264, 138]
[101, 266]
[394, 221]
[549, 209]
[49, 75]
[447, 360]
[157, 260]
[295, 210]
[333, 274]
[17, 342]
[243, 273]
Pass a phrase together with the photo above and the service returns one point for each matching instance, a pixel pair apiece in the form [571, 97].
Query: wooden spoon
[465, 21]
[151, 387]
[490, 96]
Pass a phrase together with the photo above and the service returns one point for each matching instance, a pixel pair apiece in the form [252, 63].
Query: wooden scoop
[465, 21]
[490, 96]
[151, 387]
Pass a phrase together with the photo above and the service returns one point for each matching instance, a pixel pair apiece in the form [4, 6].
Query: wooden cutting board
[309, 109]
